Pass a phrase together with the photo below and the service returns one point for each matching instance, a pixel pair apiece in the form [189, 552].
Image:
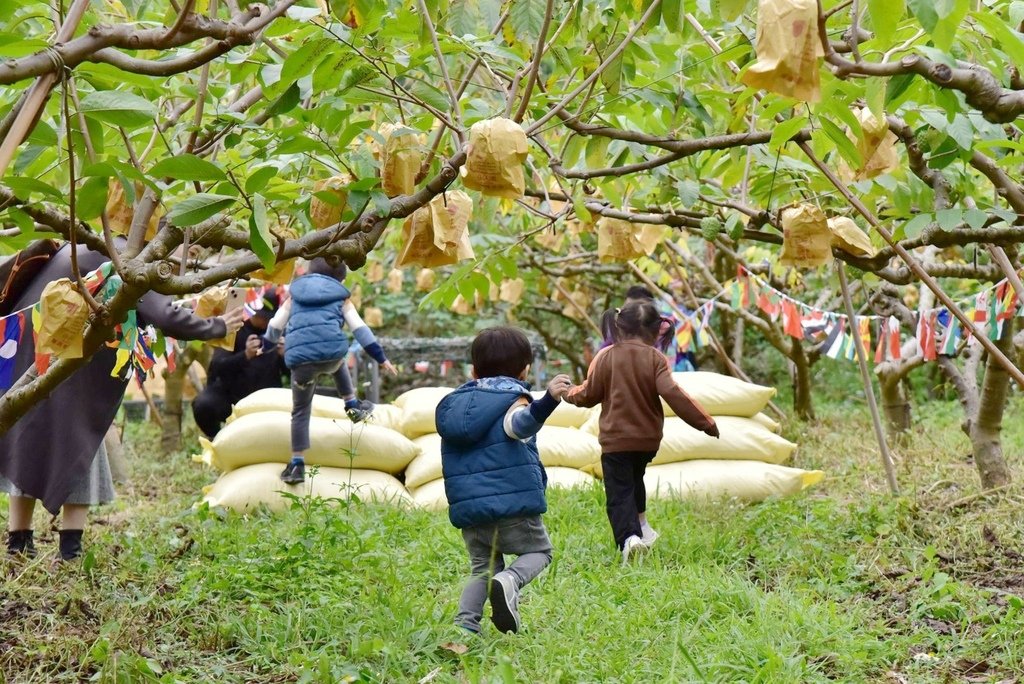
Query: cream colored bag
[419, 406]
[722, 395]
[323, 214]
[265, 437]
[496, 153]
[511, 291]
[400, 161]
[438, 235]
[120, 213]
[847, 236]
[767, 422]
[427, 466]
[748, 481]
[619, 240]
[430, 496]
[395, 281]
[565, 414]
[63, 316]
[280, 399]
[247, 488]
[212, 303]
[788, 49]
[281, 274]
[425, 280]
[567, 447]
[806, 239]
[877, 148]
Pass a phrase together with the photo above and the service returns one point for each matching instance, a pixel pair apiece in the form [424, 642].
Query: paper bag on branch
[322, 213]
[374, 272]
[847, 236]
[357, 296]
[120, 213]
[619, 240]
[877, 148]
[400, 161]
[212, 303]
[395, 281]
[496, 153]
[576, 308]
[511, 291]
[438, 235]
[63, 314]
[281, 274]
[806, 241]
[464, 308]
[551, 240]
[788, 49]
[373, 317]
[425, 280]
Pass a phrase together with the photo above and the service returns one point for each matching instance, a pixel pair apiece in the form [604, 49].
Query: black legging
[625, 494]
[211, 408]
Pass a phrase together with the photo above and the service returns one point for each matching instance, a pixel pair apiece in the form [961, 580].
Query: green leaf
[118, 108]
[597, 151]
[260, 238]
[302, 62]
[786, 130]
[23, 187]
[950, 20]
[1009, 40]
[874, 95]
[187, 167]
[843, 144]
[914, 226]
[896, 86]
[885, 18]
[673, 13]
[198, 208]
[525, 19]
[925, 12]
[730, 10]
[689, 192]
[581, 210]
[91, 198]
[288, 101]
[961, 130]
[975, 218]
[948, 219]
[259, 178]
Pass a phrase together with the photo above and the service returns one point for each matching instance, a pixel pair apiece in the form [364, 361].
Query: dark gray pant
[304, 377]
[487, 544]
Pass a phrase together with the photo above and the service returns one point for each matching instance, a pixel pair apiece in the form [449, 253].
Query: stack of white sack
[743, 463]
[564, 448]
[344, 459]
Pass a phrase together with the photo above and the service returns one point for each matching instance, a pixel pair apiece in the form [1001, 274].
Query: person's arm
[525, 418]
[364, 336]
[279, 321]
[177, 322]
[591, 392]
[684, 407]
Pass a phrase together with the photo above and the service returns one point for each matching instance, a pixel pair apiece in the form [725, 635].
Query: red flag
[926, 335]
[791, 319]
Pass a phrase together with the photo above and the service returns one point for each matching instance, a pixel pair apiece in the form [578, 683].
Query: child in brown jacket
[628, 379]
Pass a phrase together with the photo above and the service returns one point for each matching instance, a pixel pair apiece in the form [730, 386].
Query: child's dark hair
[501, 350]
[639, 292]
[639, 319]
[330, 267]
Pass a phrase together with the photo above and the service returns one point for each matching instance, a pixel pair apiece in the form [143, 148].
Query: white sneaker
[650, 535]
[633, 546]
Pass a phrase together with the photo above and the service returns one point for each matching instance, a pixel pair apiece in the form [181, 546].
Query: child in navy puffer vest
[493, 476]
[316, 345]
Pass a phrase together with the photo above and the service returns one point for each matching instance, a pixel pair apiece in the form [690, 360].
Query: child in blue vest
[493, 476]
[316, 345]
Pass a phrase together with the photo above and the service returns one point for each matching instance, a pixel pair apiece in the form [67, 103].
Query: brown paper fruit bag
[373, 317]
[418, 243]
[322, 213]
[511, 291]
[576, 309]
[496, 153]
[213, 303]
[806, 241]
[450, 213]
[619, 240]
[63, 315]
[395, 281]
[281, 274]
[847, 236]
[551, 240]
[788, 49]
[120, 213]
[877, 148]
[400, 160]
[425, 280]
[374, 272]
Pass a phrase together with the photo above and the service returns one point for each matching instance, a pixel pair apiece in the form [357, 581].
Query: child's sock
[297, 459]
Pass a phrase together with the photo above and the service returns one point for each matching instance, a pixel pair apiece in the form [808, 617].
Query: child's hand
[389, 367]
[559, 386]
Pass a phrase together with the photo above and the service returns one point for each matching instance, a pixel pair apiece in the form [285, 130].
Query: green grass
[843, 584]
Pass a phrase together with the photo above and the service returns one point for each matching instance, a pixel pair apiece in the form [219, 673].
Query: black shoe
[21, 542]
[294, 473]
[70, 544]
[360, 412]
[504, 603]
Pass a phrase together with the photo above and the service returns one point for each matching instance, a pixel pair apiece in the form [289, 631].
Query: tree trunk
[174, 384]
[803, 403]
[986, 428]
[896, 405]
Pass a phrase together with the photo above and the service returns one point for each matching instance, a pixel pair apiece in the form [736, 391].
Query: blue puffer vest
[314, 331]
[487, 475]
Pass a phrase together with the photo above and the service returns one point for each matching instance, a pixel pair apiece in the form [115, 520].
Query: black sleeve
[178, 322]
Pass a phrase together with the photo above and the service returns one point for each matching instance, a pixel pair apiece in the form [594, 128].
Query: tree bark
[803, 401]
[895, 405]
[173, 411]
[986, 428]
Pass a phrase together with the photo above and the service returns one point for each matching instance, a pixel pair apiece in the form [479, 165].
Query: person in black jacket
[233, 375]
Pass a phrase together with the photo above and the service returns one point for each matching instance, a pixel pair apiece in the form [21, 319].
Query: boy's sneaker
[649, 535]
[634, 546]
[505, 602]
[294, 473]
[359, 410]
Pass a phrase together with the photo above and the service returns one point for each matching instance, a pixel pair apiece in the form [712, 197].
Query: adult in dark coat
[233, 375]
[51, 448]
